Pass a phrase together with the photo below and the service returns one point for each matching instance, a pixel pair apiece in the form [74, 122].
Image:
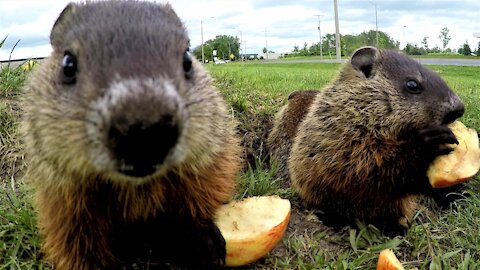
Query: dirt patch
[305, 233]
[254, 130]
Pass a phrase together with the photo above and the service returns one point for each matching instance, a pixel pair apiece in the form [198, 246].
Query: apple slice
[388, 261]
[252, 227]
[461, 164]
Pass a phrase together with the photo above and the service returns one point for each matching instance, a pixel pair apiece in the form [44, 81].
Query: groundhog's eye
[69, 66]
[187, 64]
[413, 87]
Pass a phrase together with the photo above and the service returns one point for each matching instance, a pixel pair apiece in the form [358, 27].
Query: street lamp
[266, 45]
[404, 40]
[241, 40]
[201, 32]
[376, 20]
[320, 36]
[240, 50]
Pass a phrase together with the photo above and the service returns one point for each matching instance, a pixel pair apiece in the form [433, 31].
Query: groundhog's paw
[436, 140]
[443, 197]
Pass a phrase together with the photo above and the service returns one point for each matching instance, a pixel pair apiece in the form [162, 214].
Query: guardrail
[16, 62]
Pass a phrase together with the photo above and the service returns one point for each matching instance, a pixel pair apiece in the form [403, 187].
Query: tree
[478, 49]
[425, 43]
[413, 49]
[445, 37]
[352, 42]
[295, 48]
[465, 49]
[328, 44]
[225, 46]
[304, 50]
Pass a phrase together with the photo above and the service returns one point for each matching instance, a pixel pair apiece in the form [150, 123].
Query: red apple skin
[443, 183]
[242, 252]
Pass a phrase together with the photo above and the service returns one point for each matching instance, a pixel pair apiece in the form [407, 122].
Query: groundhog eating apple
[360, 148]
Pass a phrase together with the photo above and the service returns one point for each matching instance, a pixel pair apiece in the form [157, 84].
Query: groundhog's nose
[455, 113]
[140, 147]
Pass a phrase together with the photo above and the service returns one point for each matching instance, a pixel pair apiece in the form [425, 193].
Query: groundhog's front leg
[430, 143]
[175, 242]
[209, 250]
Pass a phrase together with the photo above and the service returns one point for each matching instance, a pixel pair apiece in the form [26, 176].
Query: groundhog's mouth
[136, 171]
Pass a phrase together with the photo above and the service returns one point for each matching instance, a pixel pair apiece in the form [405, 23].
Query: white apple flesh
[461, 164]
[252, 227]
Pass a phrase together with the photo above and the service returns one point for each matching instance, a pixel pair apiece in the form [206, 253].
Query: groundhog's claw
[438, 135]
[436, 139]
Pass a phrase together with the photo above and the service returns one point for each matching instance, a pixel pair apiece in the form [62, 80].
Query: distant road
[15, 63]
[427, 61]
[449, 62]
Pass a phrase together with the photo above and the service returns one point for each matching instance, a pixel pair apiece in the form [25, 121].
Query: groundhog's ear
[363, 60]
[56, 36]
[169, 9]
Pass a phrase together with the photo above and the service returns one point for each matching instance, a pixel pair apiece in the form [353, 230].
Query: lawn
[447, 240]
[332, 56]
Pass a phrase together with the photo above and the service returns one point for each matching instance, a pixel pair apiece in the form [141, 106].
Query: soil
[254, 130]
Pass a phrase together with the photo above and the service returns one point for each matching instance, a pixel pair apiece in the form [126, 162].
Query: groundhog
[129, 146]
[360, 148]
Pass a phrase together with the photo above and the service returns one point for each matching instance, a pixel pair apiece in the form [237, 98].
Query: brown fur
[91, 214]
[285, 128]
[361, 150]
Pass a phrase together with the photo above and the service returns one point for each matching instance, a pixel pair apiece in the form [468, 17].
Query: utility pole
[320, 36]
[404, 41]
[337, 32]
[266, 45]
[245, 48]
[201, 33]
[241, 40]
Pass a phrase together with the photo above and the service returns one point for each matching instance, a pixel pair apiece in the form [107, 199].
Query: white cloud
[288, 23]
[30, 22]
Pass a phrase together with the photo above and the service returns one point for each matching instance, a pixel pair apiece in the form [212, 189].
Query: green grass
[260, 88]
[310, 57]
[449, 240]
[19, 240]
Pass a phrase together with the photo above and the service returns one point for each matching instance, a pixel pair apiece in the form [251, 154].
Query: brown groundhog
[130, 148]
[361, 147]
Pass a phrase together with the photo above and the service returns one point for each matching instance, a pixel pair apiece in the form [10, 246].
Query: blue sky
[288, 23]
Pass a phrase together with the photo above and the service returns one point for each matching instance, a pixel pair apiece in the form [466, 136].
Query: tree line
[445, 37]
[228, 47]
[348, 44]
